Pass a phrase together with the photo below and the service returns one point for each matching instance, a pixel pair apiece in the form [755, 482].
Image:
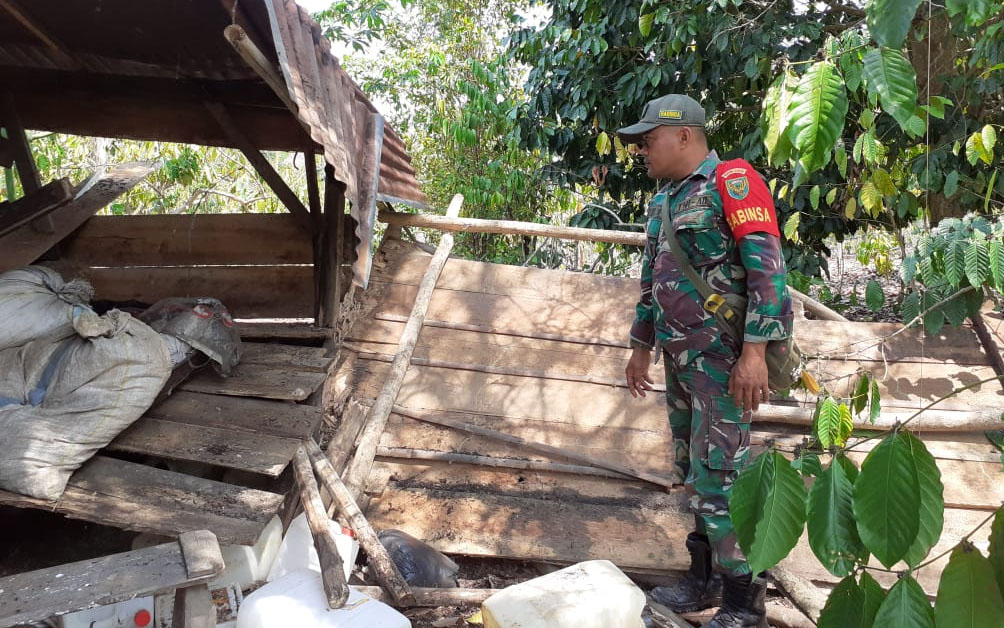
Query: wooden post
[30, 207]
[359, 469]
[386, 572]
[260, 164]
[332, 572]
[17, 143]
[317, 218]
[333, 250]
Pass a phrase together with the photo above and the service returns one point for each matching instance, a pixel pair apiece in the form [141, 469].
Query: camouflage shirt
[670, 312]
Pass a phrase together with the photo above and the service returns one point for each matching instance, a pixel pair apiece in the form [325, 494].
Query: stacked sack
[70, 380]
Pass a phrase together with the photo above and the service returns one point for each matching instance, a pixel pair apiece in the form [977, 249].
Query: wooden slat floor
[248, 422]
[540, 354]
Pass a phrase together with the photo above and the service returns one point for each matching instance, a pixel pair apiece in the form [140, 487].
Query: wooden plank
[35, 596]
[273, 418]
[193, 608]
[303, 358]
[333, 247]
[20, 212]
[201, 552]
[188, 240]
[258, 380]
[261, 165]
[564, 530]
[223, 447]
[860, 341]
[266, 331]
[144, 499]
[25, 245]
[247, 291]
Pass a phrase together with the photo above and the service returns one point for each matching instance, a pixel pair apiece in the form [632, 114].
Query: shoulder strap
[702, 286]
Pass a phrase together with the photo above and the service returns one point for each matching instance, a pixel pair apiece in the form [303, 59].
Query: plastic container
[248, 565]
[591, 594]
[297, 549]
[297, 599]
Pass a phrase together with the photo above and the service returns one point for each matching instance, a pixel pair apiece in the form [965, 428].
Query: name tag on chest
[695, 202]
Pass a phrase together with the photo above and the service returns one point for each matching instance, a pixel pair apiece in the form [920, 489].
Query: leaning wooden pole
[357, 472]
[386, 572]
[336, 590]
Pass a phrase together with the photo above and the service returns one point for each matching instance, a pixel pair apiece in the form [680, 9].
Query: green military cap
[670, 110]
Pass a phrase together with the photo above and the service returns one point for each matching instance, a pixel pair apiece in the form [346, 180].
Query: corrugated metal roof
[93, 52]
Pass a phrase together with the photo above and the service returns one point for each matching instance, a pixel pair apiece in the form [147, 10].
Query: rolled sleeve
[769, 313]
[642, 333]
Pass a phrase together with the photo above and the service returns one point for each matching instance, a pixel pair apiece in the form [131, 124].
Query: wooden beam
[368, 183]
[18, 142]
[433, 597]
[36, 29]
[193, 608]
[333, 249]
[383, 567]
[261, 164]
[491, 461]
[513, 227]
[332, 571]
[258, 62]
[31, 207]
[359, 469]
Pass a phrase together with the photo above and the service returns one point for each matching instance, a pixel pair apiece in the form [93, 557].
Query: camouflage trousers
[711, 439]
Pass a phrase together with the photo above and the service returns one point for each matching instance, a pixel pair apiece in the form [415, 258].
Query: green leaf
[874, 296]
[871, 199]
[989, 137]
[840, 156]
[883, 181]
[951, 184]
[845, 424]
[791, 227]
[776, 109]
[887, 500]
[909, 269]
[932, 502]
[955, 310]
[828, 422]
[814, 197]
[997, 263]
[818, 109]
[955, 263]
[978, 11]
[915, 126]
[997, 548]
[833, 534]
[934, 320]
[968, 595]
[808, 465]
[911, 307]
[831, 196]
[860, 398]
[749, 491]
[890, 76]
[603, 144]
[905, 606]
[889, 20]
[782, 519]
[851, 605]
[875, 407]
[645, 24]
[851, 208]
[977, 263]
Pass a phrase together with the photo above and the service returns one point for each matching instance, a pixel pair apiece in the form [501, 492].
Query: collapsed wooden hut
[503, 429]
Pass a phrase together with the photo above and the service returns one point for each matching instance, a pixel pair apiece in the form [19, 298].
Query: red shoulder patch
[748, 204]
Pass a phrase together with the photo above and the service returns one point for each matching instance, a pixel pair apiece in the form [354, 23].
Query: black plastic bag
[419, 564]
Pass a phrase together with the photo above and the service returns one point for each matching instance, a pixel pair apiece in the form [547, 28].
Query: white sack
[35, 302]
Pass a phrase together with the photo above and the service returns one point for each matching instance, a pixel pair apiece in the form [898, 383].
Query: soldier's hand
[637, 372]
[748, 381]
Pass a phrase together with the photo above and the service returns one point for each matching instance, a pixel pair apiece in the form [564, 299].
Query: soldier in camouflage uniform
[724, 219]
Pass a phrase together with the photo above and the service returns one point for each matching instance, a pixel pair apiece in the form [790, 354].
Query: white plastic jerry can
[297, 549]
[591, 594]
[297, 599]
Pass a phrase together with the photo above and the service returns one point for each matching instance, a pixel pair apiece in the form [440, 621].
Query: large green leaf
[997, 548]
[828, 422]
[874, 296]
[997, 263]
[781, 519]
[874, 596]
[955, 263]
[887, 499]
[818, 109]
[845, 604]
[749, 492]
[776, 109]
[968, 596]
[977, 263]
[890, 76]
[889, 20]
[932, 502]
[833, 535]
[905, 606]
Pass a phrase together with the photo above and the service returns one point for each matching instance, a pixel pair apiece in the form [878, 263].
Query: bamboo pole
[819, 310]
[535, 446]
[384, 569]
[504, 463]
[434, 597]
[336, 590]
[357, 472]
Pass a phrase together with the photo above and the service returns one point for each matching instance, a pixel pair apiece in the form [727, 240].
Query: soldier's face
[662, 148]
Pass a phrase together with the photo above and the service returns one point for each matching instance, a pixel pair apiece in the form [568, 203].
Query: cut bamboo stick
[332, 571]
[658, 480]
[362, 462]
[386, 572]
[505, 463]
[434, 597]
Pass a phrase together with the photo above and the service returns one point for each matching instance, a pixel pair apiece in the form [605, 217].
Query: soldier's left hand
[748, 381]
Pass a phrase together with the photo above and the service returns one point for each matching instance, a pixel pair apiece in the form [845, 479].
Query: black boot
[700, 588]
[742, 603]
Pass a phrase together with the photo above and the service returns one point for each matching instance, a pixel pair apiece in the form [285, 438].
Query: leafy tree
[454, 94]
